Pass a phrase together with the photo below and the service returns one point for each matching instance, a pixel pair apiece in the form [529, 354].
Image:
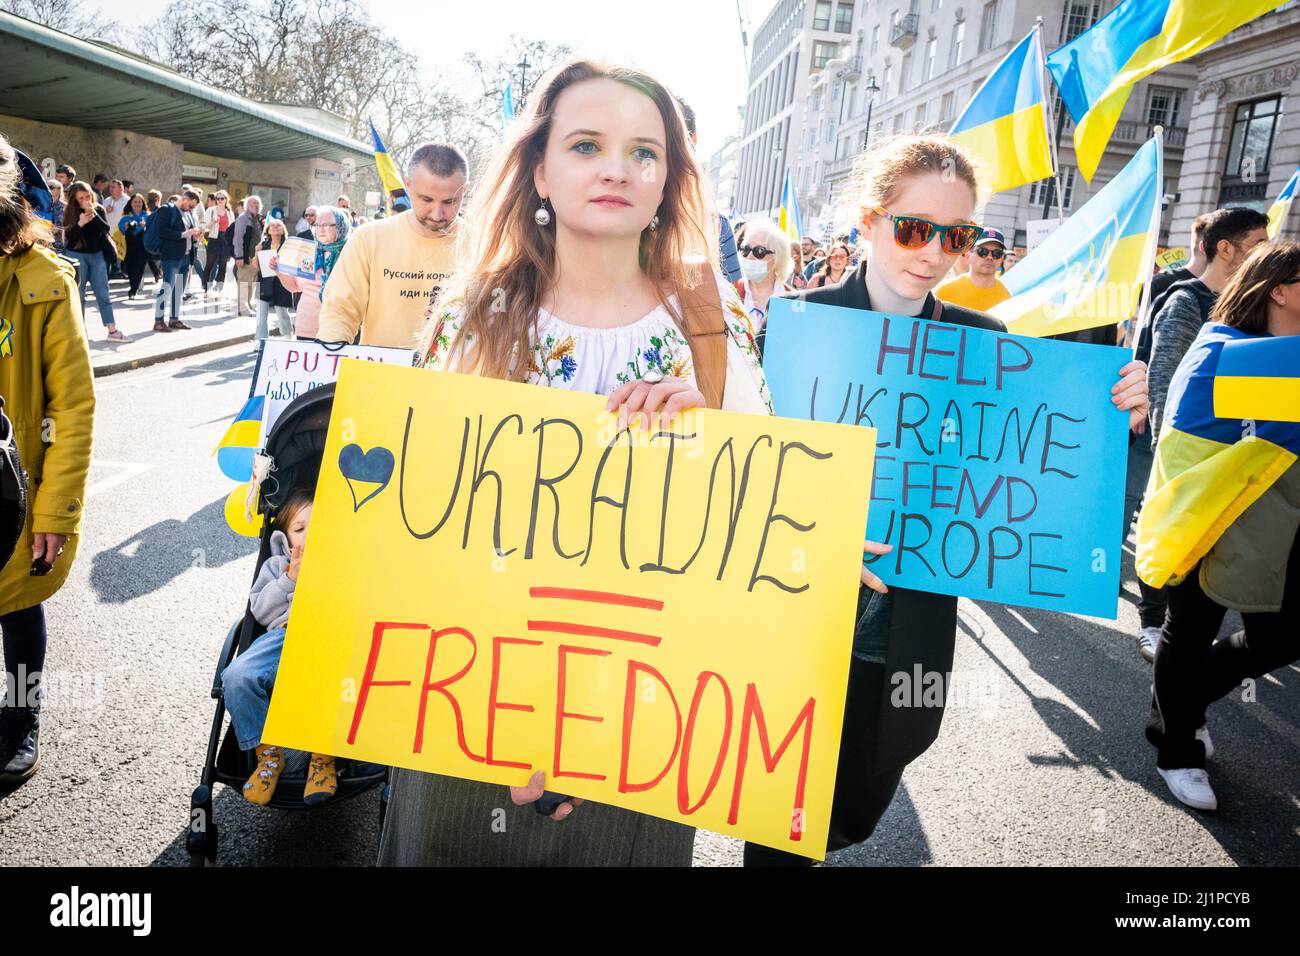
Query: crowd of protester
[531, 230]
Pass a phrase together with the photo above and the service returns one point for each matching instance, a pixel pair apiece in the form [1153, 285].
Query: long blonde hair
[508, 261]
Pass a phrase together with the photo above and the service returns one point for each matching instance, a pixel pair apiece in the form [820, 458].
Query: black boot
[20, 752]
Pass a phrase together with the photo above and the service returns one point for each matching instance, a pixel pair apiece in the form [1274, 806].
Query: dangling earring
[543, 216]
[654, 223]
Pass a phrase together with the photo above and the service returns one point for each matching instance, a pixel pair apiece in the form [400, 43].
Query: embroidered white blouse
[599, 360]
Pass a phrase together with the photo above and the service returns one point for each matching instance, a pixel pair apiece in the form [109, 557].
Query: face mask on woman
[753, 269]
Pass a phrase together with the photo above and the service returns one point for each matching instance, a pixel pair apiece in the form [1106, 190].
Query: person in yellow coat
[45, 379]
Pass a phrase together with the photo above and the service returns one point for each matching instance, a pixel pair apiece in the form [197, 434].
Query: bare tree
[521, 66]
[67, 16]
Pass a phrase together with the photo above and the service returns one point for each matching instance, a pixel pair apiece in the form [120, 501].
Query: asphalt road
[1041, 758]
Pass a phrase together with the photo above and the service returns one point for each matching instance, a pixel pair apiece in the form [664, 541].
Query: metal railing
[904, 32]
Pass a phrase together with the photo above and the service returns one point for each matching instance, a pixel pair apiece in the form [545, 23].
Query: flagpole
[1153, 242]
[1051, 121]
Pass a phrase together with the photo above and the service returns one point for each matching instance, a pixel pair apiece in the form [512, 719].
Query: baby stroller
[295, 444]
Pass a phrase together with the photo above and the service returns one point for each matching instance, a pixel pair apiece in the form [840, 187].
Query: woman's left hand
[1130, 393]
[657, 401]
[48, 546]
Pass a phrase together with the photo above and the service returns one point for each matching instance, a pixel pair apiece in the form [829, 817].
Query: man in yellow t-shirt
[980, 288]
[392, 269]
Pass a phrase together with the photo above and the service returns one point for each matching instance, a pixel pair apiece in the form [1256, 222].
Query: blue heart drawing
[374, 466]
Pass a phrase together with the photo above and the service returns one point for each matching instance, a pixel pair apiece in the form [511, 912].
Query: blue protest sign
[1000, 459]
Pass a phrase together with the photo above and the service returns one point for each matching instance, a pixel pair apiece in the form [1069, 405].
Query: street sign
[1036, 230]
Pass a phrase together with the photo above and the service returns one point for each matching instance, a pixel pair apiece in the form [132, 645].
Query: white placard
[1036, 230]
[264, 260]
[288, 368]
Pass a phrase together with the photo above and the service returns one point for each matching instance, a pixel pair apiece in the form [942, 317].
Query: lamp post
[871, 89]
[779, 152]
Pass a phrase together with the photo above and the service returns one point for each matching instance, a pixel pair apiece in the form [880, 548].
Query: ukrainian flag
[1208, 468]
[790, 222]
[388, 173]
[1277, 212]
[1259, 379]
[236, 449]
[1096, 71]
[1004, 127]
[1089, 272]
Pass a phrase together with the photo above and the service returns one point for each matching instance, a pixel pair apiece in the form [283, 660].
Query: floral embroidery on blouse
[556, 359]
[443, 335]
[742, 333]
[668, 353]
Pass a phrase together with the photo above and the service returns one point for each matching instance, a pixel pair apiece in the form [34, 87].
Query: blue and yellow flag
[1004, 127]
[236, 449]
[1259, 379]
[1096, 71]
[507, 108]
[1209, 468]
[1282, 205]
[397, 198]
[790, 222]
[1089, 272]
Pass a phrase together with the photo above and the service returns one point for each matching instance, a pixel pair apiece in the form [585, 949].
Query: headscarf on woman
[327, 253]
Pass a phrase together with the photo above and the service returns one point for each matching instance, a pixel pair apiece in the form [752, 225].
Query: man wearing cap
[980, 288]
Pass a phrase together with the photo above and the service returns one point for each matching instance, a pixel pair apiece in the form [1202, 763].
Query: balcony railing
[903, 35]
[1129, 131]
[852, 70]
[1236, 189]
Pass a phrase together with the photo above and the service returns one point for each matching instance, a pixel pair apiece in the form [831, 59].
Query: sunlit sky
[692, 45]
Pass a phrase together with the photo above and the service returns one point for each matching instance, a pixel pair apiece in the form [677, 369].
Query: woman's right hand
[275, 262]
[85, 217]
[522, 796]
[868, 578]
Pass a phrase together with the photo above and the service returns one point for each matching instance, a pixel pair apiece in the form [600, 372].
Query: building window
[1043, 192]
[822, 15]
[922, 114]
[931, 47]
[844, 18]
[945, 108]
[936, 6]
[1164, 106]
[905, 72]
[875, 39]
[1079, 15]
[823, 53]
[889, 78]
[958, 38]
[988, 25]
[1251, 145]
[898, 123]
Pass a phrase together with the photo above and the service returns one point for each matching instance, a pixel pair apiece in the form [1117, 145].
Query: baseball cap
[992, 235]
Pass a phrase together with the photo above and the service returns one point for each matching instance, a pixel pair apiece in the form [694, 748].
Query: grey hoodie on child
[273, 590]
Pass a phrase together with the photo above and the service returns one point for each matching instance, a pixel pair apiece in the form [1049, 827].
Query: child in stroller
[248, 681]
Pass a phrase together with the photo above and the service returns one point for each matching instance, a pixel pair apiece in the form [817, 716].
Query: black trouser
[219, 254]
[863, 791]
[1192, 670]
[24, 646]
[1151, 607]
[136, 258]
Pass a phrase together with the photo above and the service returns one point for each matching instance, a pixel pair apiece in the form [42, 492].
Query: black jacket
[272, 289]
[922, 626]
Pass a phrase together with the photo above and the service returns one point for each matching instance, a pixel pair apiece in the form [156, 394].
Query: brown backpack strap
[706, 330]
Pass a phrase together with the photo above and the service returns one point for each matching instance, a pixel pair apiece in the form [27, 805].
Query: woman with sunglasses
[764, 258]
[915, 201]
[833, 270]
[979, 287]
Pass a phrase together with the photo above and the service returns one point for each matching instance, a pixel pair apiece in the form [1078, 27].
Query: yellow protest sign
[1173, 258]
[498, 580]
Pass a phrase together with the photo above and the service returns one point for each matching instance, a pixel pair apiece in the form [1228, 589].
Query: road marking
[129, 470]
[166, 370]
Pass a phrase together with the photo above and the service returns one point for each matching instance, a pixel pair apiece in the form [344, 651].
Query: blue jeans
[247, 684]
[175, 274]
[92, 268]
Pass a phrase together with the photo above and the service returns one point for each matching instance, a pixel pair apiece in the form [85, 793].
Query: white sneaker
[1147, 640]
[1203, 735]
[1191, 786]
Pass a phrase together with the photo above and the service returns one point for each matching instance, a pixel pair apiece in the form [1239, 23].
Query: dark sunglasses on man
[758, 252]
[990, 252]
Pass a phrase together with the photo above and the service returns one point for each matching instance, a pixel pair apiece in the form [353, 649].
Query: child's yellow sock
[322, 780]
[261, 785]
